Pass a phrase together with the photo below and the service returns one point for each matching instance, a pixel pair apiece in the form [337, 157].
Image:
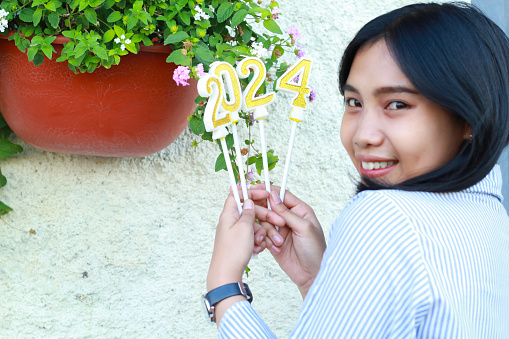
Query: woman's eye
[353, 102]
[397, 105]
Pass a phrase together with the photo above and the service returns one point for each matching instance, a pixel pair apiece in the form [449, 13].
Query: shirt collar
[491, 184]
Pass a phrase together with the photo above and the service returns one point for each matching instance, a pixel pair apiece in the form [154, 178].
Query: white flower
[127, 41]
[122, 47]
[117, 40]
[122, 37]
[3, 20]
[200, 14]
[258, 50]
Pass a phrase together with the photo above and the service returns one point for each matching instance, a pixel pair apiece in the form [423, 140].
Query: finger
[292, 220]
[290, 199]
[230, 211]
[253, 194]
[248, 216]
[259, 234]
[264, 214]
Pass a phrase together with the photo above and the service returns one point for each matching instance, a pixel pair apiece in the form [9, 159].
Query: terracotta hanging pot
[130, 110]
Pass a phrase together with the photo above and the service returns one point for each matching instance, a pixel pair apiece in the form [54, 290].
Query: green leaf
[220, 163]
[229, 141]
[54, 19]
[272, 26]
[37, 16]
[83, 5]
[27, 15]
[204, 53]
[131, 22]
[109, 35]
[138, 5]
[178, 57]
[100, 52]
[224, 11]
[4, 209]
[207, 136]
[95, 3]
[118, 30]
[32, 51]
[238, 17]
[38, 59]
[50, 5]
[3, 180]
[197, 126]
[47, 50]
[177, 37]
[185, 17]
[115, 16]
[91, 15]
[8, 149]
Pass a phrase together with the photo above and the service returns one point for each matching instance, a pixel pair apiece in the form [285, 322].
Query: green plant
[199, 32]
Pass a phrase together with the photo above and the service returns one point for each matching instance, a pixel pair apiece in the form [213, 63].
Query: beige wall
[143, 229]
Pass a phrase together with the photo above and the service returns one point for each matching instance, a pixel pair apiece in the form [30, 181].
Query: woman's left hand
[233, 247]
[235, 240]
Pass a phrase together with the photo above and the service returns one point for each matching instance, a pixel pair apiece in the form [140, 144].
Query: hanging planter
[130, 110]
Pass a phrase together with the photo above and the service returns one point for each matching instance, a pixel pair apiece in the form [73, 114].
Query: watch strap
[228, 290]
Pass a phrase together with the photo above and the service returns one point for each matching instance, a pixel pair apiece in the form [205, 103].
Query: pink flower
[181, 75]
[294, 33]
[275, 13]
[296, 79]
[199, 70]
[312, 94]
[300, 51]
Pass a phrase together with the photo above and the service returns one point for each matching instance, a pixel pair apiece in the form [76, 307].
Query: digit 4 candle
[288, 83]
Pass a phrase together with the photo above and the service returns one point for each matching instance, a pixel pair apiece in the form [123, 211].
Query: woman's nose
[368, 130]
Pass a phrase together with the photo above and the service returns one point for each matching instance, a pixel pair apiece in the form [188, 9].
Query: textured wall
[123, 245]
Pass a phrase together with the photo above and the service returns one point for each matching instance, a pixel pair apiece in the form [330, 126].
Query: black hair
[457, 57]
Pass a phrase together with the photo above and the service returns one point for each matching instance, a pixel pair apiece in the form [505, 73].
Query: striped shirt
[406, 265]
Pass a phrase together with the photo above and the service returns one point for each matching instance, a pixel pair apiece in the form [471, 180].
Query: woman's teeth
[376, 165]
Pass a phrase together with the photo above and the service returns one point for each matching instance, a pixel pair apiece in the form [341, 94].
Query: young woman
[422, 250]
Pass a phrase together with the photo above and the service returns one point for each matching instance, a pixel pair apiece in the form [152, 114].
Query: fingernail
[278, 239]
[275, 249]
[260, 238]
[248, 204]
[275, 197]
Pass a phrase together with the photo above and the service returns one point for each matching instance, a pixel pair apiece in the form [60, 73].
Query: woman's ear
[467, 132]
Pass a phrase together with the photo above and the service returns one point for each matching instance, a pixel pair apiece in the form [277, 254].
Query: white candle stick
[233, 182]
[238, 159]
[264, 159]
[287, 163]
[294, 81]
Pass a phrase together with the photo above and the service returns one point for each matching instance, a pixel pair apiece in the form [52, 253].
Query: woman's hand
[299, 245]
[234, 244]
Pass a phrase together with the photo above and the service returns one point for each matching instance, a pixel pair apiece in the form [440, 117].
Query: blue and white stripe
[406, 265]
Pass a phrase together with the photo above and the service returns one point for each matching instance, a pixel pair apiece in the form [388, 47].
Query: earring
[470, 138]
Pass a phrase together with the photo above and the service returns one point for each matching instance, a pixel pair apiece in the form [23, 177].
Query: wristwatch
[222, 292]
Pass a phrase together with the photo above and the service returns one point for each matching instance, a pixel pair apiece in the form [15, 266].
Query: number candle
[256, 104]
[286, 83]
[215, 121]
[225, 71]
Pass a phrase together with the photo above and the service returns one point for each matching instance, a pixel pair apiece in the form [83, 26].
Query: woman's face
[391, 131]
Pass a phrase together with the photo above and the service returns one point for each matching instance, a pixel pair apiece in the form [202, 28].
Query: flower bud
[174, 29]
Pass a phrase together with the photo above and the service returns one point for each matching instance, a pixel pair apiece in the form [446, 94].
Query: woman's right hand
[298, 246]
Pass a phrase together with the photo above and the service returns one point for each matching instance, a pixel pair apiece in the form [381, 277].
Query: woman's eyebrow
[394, 89]
[384, 90]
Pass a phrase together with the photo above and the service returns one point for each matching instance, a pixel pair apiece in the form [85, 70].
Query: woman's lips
[376, 169]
